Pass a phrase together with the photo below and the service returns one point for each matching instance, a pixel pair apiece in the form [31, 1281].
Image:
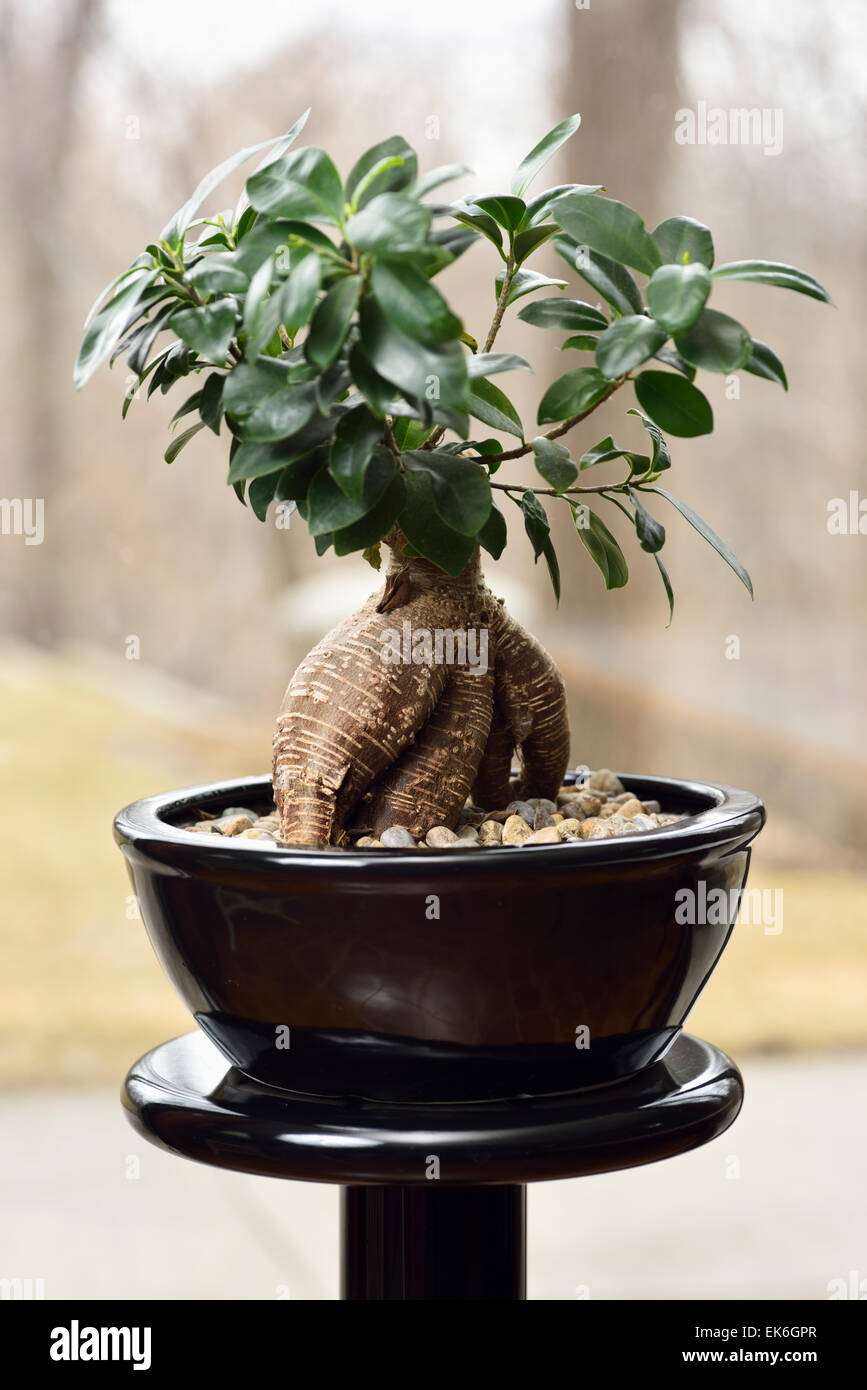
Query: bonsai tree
[351, 390]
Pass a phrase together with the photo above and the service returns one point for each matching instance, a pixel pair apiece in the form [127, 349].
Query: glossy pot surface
[441, 975]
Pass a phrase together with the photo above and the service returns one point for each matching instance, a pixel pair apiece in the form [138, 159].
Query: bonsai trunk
[417, 701]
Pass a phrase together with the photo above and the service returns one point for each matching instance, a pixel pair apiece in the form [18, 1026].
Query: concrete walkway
[775, 1208]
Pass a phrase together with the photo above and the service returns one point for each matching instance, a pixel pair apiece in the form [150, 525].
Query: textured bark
[365, 742]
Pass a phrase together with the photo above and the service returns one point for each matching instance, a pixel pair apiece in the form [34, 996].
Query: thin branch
[502, 301]
[564, 492]
[561, 429]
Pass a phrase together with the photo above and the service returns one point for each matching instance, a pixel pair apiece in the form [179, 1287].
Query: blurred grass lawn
[82, 994]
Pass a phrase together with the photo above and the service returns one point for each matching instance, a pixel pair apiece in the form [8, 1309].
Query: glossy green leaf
[384, 168]
[480, 222]
[572, 394]
[375, 524]
[422, 524]
[490, 363]
[428, 374]
[676, 295]
[331, 319]
[710, 536]
[661, 457]
[650, 532]
[683, 241]
[674, 404]
[219, 273]
[672, 358]
[787, 277]
[460, 488]
[554, 462]
[564, 315]
[412, 303]
[181, 441]
[539, 155]
[507, 212]
[525, 282]
[297, 295]
[493, 407]
[174, 230]
[540, 207]
[391, 225]
[303, 184]
[529, 240]
[669, 592]
[602, 547]
[211, 403]
[535, 522]
[493, 535]
[250, 383]
[609, 227]
[329, 507]
[208, 331]
[260, 494]
[609, 278]
[108, 327]
[716, 342]
[764, 362]
[627, 343]
[282, 414]
[581, 342]
[357, 434]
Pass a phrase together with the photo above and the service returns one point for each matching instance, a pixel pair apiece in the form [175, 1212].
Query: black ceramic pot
[440, 975]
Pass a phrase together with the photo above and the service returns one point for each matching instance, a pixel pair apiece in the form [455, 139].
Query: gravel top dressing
[597, 807]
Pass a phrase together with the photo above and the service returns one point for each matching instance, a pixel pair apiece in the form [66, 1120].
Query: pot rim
[734, 817]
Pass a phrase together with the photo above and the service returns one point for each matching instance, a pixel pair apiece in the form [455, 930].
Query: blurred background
[147, 641]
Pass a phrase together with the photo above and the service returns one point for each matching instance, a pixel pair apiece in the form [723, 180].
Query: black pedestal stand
[434, 1201]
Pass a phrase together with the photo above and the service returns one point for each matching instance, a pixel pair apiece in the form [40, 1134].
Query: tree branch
[567, 425]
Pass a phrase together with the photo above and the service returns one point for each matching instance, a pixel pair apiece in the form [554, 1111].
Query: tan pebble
[589, 803]
[516, 831]
[609, 808]
[601, 831]
[490, 832]
[569, 829]
[439, 837]
[644, 822]
[205, 827]
[604, 780]
[631, 808]
[546, 836]
[557, 817]
[235, 824]
[652, 808]
[542, 818]
[254, 833]
[369, 842]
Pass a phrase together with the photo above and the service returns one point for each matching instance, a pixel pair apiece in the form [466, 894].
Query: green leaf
[391, 225]
[683, 241]
[331, 319]
[254, 459]
[535, 522]
[710, 536]
[142, 266]
[189, 405]
[425, 529]
[507, 212]
[763, 361]
[676, 295]
[627, 343]
[183, 439]
[410, 434]
[669, 592]
[376, 524]
[602, 547]
[357, 434]
[572, 394]
[602, 452]
[478, 221]
[493, 407]
[384, 168]
[260, 494]
[329, 507]
[282, 414]
[661, 457]
[460, 488]
[493, 535]
[259, 321]
[650, 532]
[250, 383]
[539, 155]
[211, 403]
[672, 358]
[554, 462]
[108, 327]
[297, 296]
[674, 404]
[489, 363]
[567, 315]
[146, 336]
[208, 331]
[787, 277]
[716, 342]
[608, 278]
[525, 282]
[425, 183]
[174, 230]
[412, 303]
[581, 342]
[553, 567]
[219, 273]
[304, 184]
[539, 207]
[295, 477]
[375, 389]
[609, 227]
[428, 374]
[529, 240]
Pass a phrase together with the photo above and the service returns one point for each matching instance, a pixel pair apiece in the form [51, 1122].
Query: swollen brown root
[370, 738]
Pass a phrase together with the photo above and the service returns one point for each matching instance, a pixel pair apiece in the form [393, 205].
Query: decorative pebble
[439, 837]
[397, 837]
[516, 831]
[598, 808]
